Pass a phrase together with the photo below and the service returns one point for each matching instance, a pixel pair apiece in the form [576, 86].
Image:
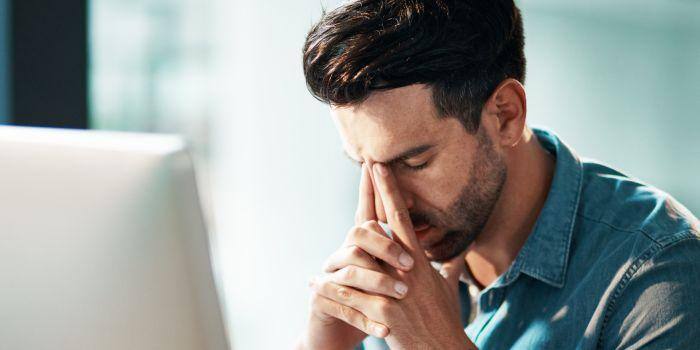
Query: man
[536, 247]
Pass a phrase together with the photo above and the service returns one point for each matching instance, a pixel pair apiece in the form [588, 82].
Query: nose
[408, 199]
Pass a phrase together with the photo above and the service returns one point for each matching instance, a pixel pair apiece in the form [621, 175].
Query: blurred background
[618, 81]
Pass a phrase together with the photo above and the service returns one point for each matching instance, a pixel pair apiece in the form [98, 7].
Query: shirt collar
[546, 251]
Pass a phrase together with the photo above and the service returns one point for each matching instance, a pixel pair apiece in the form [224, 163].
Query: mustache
[421, 218]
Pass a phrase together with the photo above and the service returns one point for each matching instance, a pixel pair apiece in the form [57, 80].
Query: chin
[438, 255]
[451, 244]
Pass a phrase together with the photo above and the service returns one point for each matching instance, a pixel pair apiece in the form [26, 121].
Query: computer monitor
[103, 244]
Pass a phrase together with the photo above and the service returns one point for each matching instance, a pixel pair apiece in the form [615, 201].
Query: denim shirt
[611, 263]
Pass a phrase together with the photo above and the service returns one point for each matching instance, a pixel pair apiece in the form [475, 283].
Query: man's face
[450, 179]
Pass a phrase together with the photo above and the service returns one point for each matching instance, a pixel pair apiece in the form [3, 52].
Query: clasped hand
[385, 286]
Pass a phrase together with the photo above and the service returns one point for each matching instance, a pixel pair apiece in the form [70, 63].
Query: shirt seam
[642, 259]
[637, 230]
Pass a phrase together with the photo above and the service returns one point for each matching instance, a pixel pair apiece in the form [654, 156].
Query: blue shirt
[611, 263]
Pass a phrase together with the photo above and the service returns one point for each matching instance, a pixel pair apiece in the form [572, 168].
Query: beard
[466, 217]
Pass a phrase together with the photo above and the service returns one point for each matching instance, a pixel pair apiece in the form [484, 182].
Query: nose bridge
[408, 198]
[405, 185]
[406, 190]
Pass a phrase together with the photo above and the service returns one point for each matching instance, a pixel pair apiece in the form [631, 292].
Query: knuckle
[356, 252]
[370, 225]
[322, 286]
[344, 293]
[351, 232]
[365, 324]
[357, 232]
[392, 249]
[348, 272]
[345, 313]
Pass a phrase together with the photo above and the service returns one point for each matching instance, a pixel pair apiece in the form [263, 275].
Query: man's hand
[426, 315]
[429, 316]
[356, 266]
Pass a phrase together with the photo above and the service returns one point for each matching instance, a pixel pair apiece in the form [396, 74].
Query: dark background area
[44, 63]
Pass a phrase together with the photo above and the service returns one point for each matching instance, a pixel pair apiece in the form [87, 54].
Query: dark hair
[462, 49]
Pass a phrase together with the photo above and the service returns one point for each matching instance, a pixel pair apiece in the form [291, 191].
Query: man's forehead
[367, 139]
[387, 123]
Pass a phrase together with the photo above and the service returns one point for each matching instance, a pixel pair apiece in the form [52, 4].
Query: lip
[421, 227]
[427, 235]
[422, 231]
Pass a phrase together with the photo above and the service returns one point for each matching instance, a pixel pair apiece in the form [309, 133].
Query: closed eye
[414, 167]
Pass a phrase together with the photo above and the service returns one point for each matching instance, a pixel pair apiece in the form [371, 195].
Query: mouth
[420, 227]
[422, 230]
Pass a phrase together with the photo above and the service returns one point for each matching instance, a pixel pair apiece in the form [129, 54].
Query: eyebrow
[408, 154]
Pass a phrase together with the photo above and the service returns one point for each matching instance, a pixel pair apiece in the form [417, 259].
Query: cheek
[439, 185]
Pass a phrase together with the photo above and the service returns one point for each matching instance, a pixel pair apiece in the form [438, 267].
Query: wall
[618, 81]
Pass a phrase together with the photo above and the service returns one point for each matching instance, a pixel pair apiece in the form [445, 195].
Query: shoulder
[612, 198]
[650, 244]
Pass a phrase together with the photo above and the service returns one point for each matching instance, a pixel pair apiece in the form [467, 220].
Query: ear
[508, 104]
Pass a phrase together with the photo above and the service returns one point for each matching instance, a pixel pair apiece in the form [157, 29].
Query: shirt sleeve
[659, 307]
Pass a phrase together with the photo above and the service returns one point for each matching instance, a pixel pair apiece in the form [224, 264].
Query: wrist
[314, 339]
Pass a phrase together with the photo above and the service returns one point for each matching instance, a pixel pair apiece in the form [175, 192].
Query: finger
[378, 205]
[373, 225]
[369, 281]
[372, 239]
[388, 247]
[395, 208]
[365, 203]
[350, 255]
[377, 308]
[348, 315]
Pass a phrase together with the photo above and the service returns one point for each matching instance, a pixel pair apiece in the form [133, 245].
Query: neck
[530, 172]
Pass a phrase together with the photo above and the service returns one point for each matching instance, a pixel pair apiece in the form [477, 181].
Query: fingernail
[401, 288]
[380, 169]
[405, 260]
[379, 330]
